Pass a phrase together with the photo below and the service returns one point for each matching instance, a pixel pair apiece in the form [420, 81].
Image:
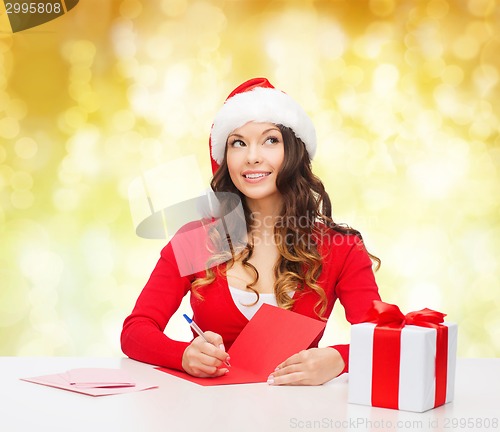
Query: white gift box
[417, 374]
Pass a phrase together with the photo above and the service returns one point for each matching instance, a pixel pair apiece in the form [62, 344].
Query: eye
[272, 140]
[237, 143]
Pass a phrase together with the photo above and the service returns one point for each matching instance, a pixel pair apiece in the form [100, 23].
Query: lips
[252, 177]
[256, 175]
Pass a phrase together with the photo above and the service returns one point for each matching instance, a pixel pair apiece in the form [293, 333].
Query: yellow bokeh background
[405, 96]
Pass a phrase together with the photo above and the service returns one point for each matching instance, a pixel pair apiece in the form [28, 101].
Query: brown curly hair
[305, 212]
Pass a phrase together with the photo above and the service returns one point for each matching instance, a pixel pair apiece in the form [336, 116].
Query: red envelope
[269, 338]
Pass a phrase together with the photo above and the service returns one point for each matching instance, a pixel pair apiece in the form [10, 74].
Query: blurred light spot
[449, 104]
[174, 8]
[4, 98]
[3, 155]
[80, 74]
[74, 118]
[382, 8]
[21, 199]
[347, 102]
[413, 57]
[452, 75]
[6, 173]
[434, 67]
[130, 8]
[332, 40]
[206, 18]
[158, 48]
[16, 109]
[481, 8]
[46, 337]
[485, 78]
[123, 120]
[83, 149]
[420, 239]
[79, 52]
[146, 75]
[353, 75]
[98, 251]
[435, 177]
[21, 180]
[141, 100]
[377, 200]
[9, 127]
[124, 38]
[65, 199]
[482, 129]
[13, 302]
[126, 67]
[437, 9]
[359, 148]
[68, 173]
[425, 123]
[25, 148]
[211, 42]
[371, 43]
[90, 101]
[428, 39]
[425, 294]
[465, 47]
[385, 79]
[480, 30]
[477, 246]
[77, 90]
[176, 82]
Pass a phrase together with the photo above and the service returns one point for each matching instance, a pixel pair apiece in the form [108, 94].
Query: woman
[294, 256]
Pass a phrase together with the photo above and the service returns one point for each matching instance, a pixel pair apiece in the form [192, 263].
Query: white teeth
[254, 176]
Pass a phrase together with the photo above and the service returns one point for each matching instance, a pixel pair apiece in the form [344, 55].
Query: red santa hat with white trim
[257, 100]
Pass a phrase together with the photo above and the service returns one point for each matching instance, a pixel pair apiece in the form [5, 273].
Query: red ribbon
[387, 350]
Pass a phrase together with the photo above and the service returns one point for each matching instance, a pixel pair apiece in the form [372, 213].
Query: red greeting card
[269, 338]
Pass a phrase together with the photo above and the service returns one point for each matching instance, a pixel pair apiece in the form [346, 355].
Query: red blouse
[346, 275]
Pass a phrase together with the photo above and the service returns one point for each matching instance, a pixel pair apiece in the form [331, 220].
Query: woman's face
[255, 153]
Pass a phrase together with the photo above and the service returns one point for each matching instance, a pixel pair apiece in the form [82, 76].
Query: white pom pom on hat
[257, 100]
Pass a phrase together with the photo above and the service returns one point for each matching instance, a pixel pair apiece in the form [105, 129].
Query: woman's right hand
[206, 359]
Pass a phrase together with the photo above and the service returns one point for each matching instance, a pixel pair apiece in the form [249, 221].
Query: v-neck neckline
[229, 299]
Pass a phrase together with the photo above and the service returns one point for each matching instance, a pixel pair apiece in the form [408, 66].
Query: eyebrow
[263, 132]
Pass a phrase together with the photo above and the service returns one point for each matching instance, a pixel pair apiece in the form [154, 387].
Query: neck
[264, 215]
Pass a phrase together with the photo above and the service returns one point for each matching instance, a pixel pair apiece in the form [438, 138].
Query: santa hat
[257, 100]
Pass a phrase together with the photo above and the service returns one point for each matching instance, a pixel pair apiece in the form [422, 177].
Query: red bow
[387, 350]
[389, 315]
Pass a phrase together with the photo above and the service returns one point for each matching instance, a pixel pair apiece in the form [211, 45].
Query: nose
[253, 154]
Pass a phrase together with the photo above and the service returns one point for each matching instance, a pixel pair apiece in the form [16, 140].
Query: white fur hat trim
[261, 105]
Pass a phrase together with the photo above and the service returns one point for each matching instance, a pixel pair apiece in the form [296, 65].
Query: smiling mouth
[256, 175]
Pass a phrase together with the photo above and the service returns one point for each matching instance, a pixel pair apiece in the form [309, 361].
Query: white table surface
[178, 405]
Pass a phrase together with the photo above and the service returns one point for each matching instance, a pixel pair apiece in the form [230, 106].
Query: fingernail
[277, 369]
[270, 380]
[226, 371]
[222, 347]
[227, 361]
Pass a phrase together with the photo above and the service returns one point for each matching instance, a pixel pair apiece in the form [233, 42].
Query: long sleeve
[142, 336]
[355, 288]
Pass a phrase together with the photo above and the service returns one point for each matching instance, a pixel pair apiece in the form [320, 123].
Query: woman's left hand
[314, 366]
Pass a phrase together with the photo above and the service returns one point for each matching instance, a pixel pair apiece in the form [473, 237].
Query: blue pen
[199, 331]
